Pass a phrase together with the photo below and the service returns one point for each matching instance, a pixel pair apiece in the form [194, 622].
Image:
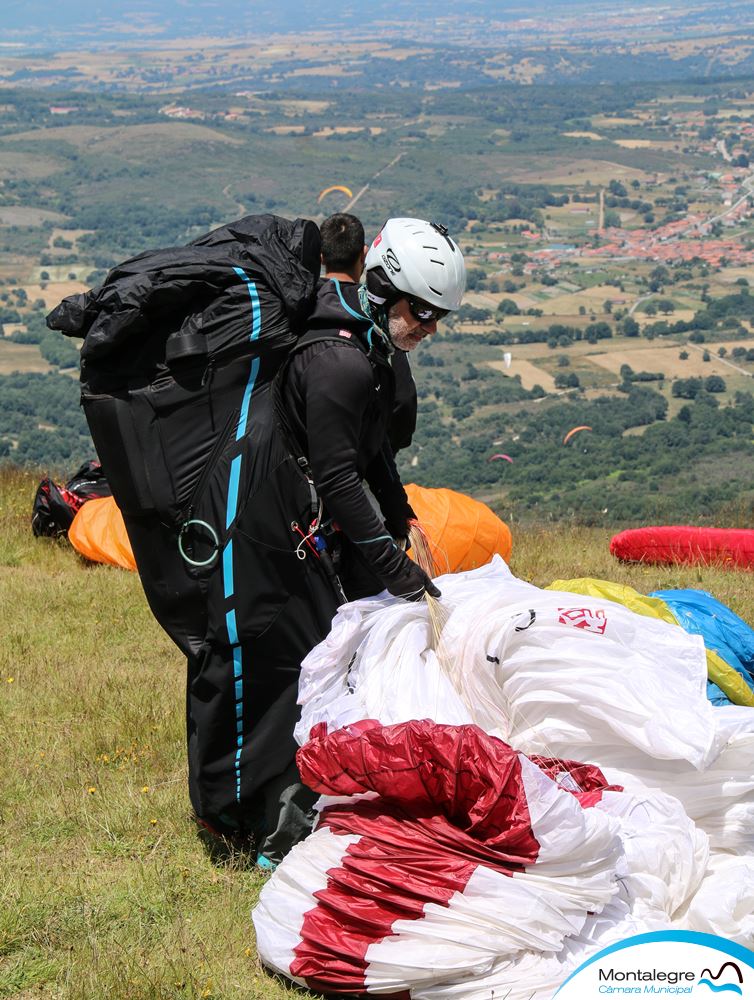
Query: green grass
[107, 890]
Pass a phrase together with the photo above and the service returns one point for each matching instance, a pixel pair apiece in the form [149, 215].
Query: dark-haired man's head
[343, 248]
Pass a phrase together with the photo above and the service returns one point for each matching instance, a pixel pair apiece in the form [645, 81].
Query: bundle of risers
[461, 849]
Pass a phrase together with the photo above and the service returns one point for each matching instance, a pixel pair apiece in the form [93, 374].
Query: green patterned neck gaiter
[378, 314]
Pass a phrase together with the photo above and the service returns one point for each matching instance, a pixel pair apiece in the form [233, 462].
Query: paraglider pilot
[336, 403]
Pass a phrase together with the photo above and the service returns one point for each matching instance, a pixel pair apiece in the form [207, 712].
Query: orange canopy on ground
[463, 533]
[98, 532]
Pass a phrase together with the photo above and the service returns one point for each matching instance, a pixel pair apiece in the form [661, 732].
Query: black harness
[320, 535]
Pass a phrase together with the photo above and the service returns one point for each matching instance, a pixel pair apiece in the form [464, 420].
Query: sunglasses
[424, 312]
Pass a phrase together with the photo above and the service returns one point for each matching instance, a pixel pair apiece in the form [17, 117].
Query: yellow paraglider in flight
[335, 187]
[575, 430]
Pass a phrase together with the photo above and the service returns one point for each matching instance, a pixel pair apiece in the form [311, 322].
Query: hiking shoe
[264, 864]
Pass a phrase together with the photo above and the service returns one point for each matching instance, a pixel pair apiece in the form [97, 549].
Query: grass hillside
[107, 890]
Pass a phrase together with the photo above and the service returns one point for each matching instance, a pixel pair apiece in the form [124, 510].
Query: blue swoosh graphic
[737, 951]
[725, 988]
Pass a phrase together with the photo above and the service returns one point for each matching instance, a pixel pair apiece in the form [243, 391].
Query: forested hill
[697, 466]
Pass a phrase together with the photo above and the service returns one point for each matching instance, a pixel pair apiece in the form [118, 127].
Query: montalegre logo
[665, 964]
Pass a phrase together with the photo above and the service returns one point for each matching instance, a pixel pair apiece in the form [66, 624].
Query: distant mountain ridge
[130, 23]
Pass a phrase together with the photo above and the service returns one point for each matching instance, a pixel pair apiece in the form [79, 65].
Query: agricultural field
[21, 358]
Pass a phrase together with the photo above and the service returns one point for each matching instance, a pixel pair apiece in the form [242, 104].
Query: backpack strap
[281, 412]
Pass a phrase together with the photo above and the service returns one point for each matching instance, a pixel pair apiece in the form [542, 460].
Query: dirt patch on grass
[129, 139]
[644, 143]
[568, 305]
[11, 328]
[608, 121]
[20, 215]
[14, 166]
[565, 171]
[530, 374]
[21, 358]
[665, 359]
[54, 292]
[584, 135]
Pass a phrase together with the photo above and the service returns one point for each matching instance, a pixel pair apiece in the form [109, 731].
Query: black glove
[400, 575]
[411, 583]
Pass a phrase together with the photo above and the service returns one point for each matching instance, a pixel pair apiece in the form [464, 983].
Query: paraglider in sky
[500, 455]
[575, 430]
[335, 187]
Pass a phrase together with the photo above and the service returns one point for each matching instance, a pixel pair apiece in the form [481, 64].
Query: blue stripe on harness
[256, 328]
[234, 482]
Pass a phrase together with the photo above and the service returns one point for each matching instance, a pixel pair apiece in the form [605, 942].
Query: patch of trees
[59, 351]
[555, 335]
[691, 388]
[627, 374]
[127, 228]
[472, 314]
[567, 380]
[41, 422]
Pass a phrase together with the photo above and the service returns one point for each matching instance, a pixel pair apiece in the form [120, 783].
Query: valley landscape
[608, 230]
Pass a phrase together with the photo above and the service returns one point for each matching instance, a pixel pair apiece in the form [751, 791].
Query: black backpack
[56, 506]
[167, 343]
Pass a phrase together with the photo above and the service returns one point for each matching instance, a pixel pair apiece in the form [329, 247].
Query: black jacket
[403, 421]
[339, 393]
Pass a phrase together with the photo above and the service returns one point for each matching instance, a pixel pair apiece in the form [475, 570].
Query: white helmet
[416, 258]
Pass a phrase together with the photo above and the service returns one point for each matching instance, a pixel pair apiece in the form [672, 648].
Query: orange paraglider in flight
[575, 430]
[336, 187]
[506, 457]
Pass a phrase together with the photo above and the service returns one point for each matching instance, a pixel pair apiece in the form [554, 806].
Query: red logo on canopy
[377, 240]
[590, 619]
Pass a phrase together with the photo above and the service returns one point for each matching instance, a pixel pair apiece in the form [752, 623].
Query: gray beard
[397, 330]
